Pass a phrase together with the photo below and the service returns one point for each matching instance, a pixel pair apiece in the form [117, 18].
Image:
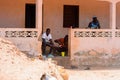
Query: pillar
[39, 4]
[113, 15]
[39, 15]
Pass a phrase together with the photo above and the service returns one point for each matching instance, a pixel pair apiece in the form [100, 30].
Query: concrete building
[16, 25]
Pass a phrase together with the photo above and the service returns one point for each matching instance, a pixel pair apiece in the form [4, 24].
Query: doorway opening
[30, 16]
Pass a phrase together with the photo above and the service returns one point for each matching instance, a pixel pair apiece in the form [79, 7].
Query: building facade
[50, 14]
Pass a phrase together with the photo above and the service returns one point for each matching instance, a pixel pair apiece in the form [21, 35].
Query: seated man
[63, 44]
[47, 41]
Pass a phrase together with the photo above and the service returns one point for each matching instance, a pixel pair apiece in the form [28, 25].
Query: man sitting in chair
[47, 41]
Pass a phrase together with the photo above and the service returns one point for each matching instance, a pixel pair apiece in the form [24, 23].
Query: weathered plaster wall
[53, 14]
[95, 47]
[24, 39]
[12, 13]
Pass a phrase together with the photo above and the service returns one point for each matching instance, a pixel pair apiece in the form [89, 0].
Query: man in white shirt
[47, 41]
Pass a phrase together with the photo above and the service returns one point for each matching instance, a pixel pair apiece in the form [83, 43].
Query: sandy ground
[15, 65]
[94, 75]
[94, 72]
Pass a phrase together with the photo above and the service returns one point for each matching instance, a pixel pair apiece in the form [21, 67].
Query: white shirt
[47, 38]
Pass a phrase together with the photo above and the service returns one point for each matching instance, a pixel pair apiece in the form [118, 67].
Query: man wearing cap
[94, 24]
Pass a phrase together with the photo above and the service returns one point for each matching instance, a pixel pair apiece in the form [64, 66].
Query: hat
[94, 17]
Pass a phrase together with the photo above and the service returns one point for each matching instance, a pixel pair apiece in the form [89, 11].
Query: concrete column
[39, 15]
[113, 15]
[39, 4]
[112, 12]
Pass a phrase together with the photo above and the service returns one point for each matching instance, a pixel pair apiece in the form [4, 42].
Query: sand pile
[15, 65]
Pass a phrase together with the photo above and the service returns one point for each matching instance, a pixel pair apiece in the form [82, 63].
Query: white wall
[12, 13]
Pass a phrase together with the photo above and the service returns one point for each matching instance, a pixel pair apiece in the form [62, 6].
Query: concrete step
[63, 61]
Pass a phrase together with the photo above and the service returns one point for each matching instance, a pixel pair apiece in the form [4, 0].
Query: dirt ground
[94, 74]
[15, 65]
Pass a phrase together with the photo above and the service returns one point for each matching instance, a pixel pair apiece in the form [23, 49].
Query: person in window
[94, 24]
[47, 41]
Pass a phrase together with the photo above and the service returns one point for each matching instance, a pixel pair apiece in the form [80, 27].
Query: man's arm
[98, 25]
[89, 26]
[51, 42]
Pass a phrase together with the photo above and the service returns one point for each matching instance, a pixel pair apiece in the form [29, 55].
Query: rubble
[15, 65]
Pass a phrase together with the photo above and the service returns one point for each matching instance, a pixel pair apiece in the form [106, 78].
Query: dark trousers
[62, 49]
[44, 45]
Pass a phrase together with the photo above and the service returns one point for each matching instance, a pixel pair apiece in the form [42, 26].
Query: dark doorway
[30, 16]
[71, 16]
